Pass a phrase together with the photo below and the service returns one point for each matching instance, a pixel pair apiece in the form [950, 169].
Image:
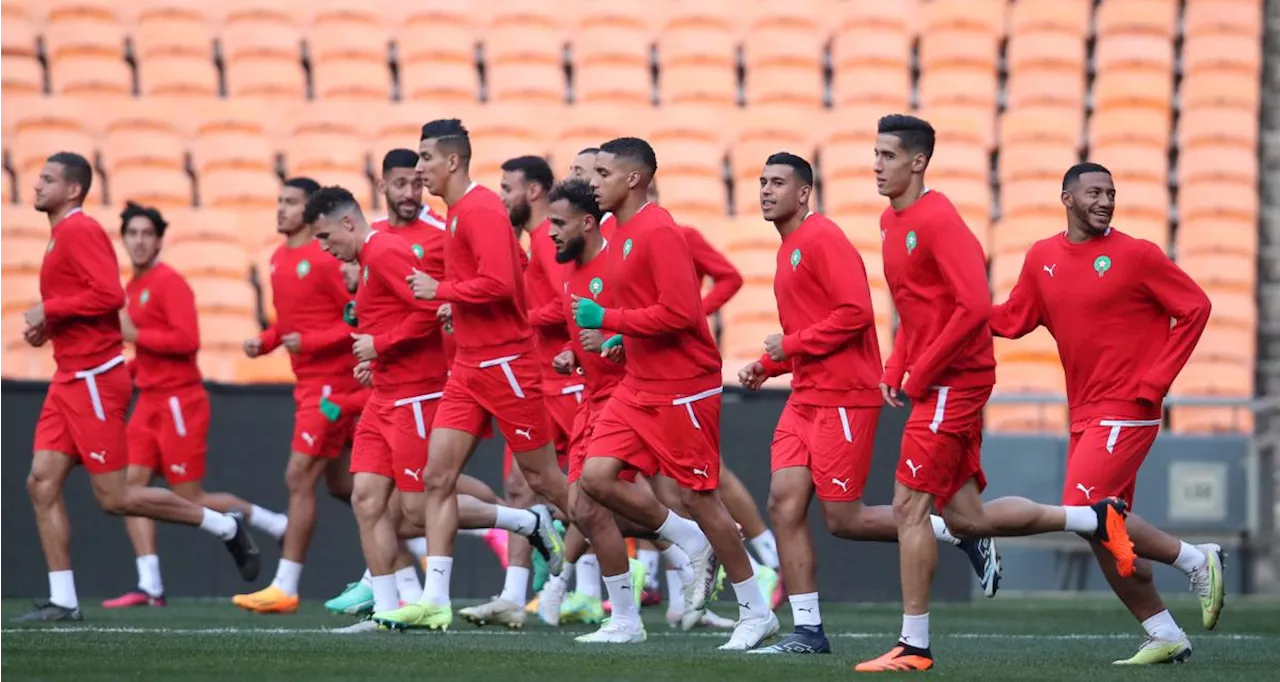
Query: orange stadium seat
[348, 49]
[1224, 87]
[697, 50]
[499, 133]
[1227, 342]
[238, 188]
[225, 139]
[203, 225]
[197, 258]
[1225, 163]
[524, 55]
[23, 253]
[43, 127]
[20, 72]
[262, 53]
[1129, 161]
[1036, 161]
[782, 51]
[1039, 16]
[326, 138]
[863, 229]
[1144, 51]
[1241, 18]
[690, 145]
[173, 45]
[150, 186]
[871, 58]
[1046, 50]
[136, 143]
[442, 69]
[1133, 87]
[588, 125]
[1032, 196]
[1217, 126]
[612, 47]
[23, 221]
[1221, 271]
[1221, 52]
[1045, 86]
[1042, 124]
[1157, 17]
[1121, 125]
[760, 134]
[1013, 236]
[1141, 199]
[1216, 235]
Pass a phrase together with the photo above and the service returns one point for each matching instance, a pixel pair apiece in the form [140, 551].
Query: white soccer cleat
[551, 599]
[498, 611]
[706, 569]
[750, 633]
[708, 619]
[358, 627]
[615, 631]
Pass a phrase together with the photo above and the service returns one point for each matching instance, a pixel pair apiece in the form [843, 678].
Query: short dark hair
[632, 148]
[307, 185]
[534, 168]
[914, 134]
[579, 194]
[132, 210]
[329, 201]
[589, 150]
[450, 134]
[1073, 173]
[399, 158]
[803, 170]
[75, 168]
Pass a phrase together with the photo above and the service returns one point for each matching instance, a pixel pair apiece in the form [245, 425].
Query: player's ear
[1067, 200]
[382, 186]
[919, 162]
[805, 192]
[455, 162]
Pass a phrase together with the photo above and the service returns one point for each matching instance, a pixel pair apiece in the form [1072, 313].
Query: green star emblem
[795, 260]
[1101, 264]
[596, 286]
[304, 268]
[911, 242]
[418, 251]
[626, 249]
[146, 296]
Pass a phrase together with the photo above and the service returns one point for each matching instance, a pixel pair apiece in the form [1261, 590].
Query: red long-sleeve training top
[406, 333]
[163, 308]
[544, 281]
[828, 325]
[82, 296]
[937, 275]
[309, 296]
[708, 262]
[484, 280]
[1108, 302]
[591, 280]
[659, 308]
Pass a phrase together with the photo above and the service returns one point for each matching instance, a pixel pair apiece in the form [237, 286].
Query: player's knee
[585, 511]
[597, 479]
[42, 489]
[910, 507]
[368, 505]
[784, 509]
[965, 527]
[338, 483]
[298, 477]
[438, 481]
[116, 501]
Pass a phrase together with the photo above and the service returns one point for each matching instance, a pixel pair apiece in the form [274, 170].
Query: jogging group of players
[409, 337]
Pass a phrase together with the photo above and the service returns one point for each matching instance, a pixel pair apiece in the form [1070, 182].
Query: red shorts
[942, 443]
[313, 434]
[562, 408]
[85, 418]
[1103, 458]
[391, 439]
[509, 389]
[679, 438]
[583, 426]
[835, 443]
[168, 432]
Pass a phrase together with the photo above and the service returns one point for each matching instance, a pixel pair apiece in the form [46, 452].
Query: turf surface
[1009, 638]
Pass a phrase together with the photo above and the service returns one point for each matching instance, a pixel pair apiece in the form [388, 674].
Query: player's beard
[519, 214]
[407, 212]
[572, 250]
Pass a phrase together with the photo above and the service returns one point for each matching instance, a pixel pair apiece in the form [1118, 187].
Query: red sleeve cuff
[54, 310]
[444, 292]
[380, 344]
[893, 376]
[1150, 393]
[791, 345]
[612, 319]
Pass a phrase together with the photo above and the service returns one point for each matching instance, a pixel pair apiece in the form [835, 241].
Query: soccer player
[826, 434]
[309, 296]
[943, 361]
[1107, 298]
[400, 337]
[495, 373]
[665, 414]
[83, 417]
[169, 428]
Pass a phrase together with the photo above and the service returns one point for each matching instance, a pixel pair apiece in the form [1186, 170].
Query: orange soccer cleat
[1113, 534]
[901, 658]
[269, 599]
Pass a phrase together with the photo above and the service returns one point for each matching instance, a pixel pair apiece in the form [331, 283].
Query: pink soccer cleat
[497, 541]
[134, 598]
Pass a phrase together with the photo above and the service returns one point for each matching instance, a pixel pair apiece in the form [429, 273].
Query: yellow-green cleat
[767, 578]
[638, 577]
[1156, 652]
[578, 608]
[1207, 584]
[416, 617]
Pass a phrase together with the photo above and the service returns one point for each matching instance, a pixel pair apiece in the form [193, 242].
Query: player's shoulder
[1144, 248]
[81, 222]
[380, 224]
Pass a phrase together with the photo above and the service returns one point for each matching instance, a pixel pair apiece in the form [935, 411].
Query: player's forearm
[773, 368]
[1174, 355]
[950, 343]
[168, 341]
[270, 339]
[414, 326]
[477, 290]
[840, 328]
[549, 315]
[88, 303]
[655, 320]
[329, 339]
[722, 289]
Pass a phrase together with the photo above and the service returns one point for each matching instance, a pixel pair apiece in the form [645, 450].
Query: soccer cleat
[901, 658]
[1155, 652]
[496, 538]
[985, 559]
[497, 611]
[706, 578]
[1113, 534]
[749, 633]
[49, 611]
[532, 606]
[768, 580]
[805, 640]
[269, 599]
[581, 609]
[650, 596]
[779, 593]
[638, 578]
[615, 631]
[546, 540]
[547, 604]
[361, 626]
[708, 620]
[539, 572]
[1208, 585]
[355, 600]
[243, 549]
[416, 617]
[133, 598]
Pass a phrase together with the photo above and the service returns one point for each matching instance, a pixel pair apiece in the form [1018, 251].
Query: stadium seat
[697, 54]
[238, 188]
[1141, 51]
[1038, 124]
[760, 135]
[1036, 161]
[230, 138]
[1045, 87]
[262, 53]
[1129, 162]
[871, 56]
[1228, 87]
[782, 51]
[140, 142]
[1043, 16]
[1220, 270]
[204, 259]
[1128, 17]
[612, 48]
[1240, 18]
[690, 145]
[1221, 52]
[442, 69]
[1224, 163]
[20, 73]
[1052, 49]
[499, 133]
[587, 125]
[1133, 87]
[174, 49]
[45, 126]
[23, 254]
[156, 186]
[203, 225]
[1217, 126]
[348, 48]
[327, 138]
[524, 55]
[1033, 196]
[1123, 125]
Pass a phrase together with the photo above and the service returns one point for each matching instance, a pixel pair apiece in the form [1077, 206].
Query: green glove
[615, 340]
[330, 409]
[349, 313]
[590, 314]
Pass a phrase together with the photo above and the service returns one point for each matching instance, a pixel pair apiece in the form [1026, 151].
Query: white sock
[1081, 519]
[62, 589]
[408, 587]
[588, 584]
[269, 522]
[915, 630]
[751, 603]
[520, 521]
[566, 573]
[621, 597]
[755, 565]
[766, 548]
[516, 587]
[221, 525]
[1162, 627]
[417, 547]
[649, 557]
[677, 560]
[287, 575]
[1190, 559]
[474, 532]
[682, 532]
[385, 595]
[675, 590]
[439, 570]
[149, 575]
[367, 578]
[804, 609]
[941, 532]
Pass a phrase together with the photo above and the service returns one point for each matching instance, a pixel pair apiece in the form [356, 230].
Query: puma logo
[311, 440]
[1049, 269]
[415, 474]
[808, 609]
[179, 469]
[438, 570]
[527, 433]
[99, 457]
[914, 469]
[744, 607]
[1088, 492]
[844, 485]
[700, 472]
[626, 587]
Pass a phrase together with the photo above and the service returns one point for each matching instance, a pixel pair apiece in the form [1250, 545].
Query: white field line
[67, 630]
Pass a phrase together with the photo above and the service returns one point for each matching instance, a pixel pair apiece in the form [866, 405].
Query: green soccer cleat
[355, 600]
[579, 609]
[540, 571]
[638, 577]
[767, 578]
[416, 617]
[1156, 652]
[1208, 585]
